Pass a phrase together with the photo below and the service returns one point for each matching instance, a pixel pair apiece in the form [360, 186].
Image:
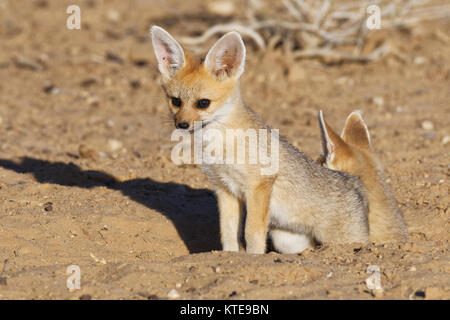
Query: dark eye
[176, 102]
[203, 103]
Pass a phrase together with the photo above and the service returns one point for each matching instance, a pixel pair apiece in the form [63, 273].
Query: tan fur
[302, 200]
[353, 154]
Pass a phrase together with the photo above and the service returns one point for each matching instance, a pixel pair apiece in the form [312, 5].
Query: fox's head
[351, 152]
[199, 90]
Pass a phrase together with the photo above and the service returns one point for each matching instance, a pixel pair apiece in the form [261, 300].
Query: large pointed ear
[168, 52]
[355, 131]
[332, 144]
[226, 58]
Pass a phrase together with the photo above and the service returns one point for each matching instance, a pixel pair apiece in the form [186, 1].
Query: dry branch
[321, 28]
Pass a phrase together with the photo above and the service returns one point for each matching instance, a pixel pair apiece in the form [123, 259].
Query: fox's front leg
[257, 221]
[230, 209]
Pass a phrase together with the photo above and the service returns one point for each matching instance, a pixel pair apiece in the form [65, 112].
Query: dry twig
[321, 28]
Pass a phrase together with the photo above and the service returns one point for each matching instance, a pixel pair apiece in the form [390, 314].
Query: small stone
[419, 60]
[88, 82]
[93, 101]
[222, 8]
[111, 56]
[178, 285]
[232, 294]
[444, 140]
[113, 15]
[373, 282]
[48, 206]
[26, 63]
[86, 152]
[427, 125]
[85, 297]
[173, 294]
[50, 88]
[114, 145]
[140, 62]
[378, 101]
[135, 84]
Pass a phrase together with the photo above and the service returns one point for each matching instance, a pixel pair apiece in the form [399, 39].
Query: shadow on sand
[193, 212]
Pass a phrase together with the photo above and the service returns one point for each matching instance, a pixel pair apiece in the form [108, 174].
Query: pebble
[378, 101]
[373, 282]
[93, 101]
[48, 206]
[88, 82]
[221, 8]
[419, 60]
[427, 125]
[25, 63]
[135, 84]
[113, 15]
[173, 294]
[86, 152]
[111, 56]
[114, 145]
[444, 140]
[345, 81]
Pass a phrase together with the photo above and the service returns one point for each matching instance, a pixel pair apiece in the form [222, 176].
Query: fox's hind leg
[289, 242]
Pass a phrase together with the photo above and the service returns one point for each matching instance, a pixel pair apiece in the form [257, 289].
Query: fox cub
[352, 152]
[301, 203]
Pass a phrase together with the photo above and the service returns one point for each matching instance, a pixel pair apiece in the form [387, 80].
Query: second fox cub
[352, 152]
[300, 203]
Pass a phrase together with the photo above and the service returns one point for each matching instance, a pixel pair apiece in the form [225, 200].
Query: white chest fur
[232, 177]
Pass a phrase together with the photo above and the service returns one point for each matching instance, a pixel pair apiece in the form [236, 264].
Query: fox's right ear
[227, 56]
[355, 131]
[332, 144]
[168, 52]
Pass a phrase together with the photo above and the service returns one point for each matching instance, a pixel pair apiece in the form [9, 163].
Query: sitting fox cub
[352, 152]
[301, 203]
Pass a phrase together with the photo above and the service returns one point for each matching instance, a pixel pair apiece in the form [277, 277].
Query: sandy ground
[86, 176]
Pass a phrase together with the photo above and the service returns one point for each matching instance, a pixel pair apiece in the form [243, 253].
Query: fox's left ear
[332, 145]
[355, 131]
[226, 58]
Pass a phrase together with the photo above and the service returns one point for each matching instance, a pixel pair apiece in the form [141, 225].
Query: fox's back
[314, 194]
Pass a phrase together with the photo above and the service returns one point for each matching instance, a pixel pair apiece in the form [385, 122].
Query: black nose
[182, 125]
